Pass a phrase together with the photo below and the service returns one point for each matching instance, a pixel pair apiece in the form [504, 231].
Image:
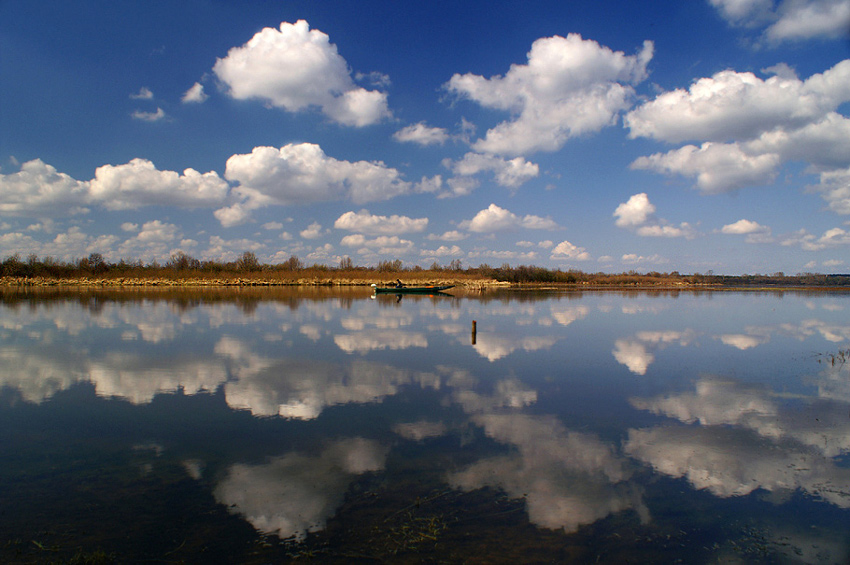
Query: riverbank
[240, 281]
[460, 280]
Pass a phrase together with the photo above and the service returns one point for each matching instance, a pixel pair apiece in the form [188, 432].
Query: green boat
[431, 289]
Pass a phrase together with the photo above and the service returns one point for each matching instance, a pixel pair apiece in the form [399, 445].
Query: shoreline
[462, 283]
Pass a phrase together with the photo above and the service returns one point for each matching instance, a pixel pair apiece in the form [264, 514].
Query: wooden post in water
[474, 331]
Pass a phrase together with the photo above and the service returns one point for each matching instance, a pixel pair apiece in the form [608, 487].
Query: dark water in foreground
[267, 427]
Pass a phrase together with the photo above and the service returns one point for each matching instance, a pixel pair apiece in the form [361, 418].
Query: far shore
[463, 281]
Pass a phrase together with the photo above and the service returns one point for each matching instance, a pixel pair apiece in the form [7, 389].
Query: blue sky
[602, 136]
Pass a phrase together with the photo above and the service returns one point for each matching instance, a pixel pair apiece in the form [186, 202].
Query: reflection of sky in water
[571, 403]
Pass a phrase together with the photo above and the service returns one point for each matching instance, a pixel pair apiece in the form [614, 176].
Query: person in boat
[399, 284]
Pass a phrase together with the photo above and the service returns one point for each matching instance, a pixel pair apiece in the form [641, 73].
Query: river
[277, 425]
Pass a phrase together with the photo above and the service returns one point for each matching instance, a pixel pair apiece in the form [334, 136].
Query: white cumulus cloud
[195, 95]
[494, 218]
[140, 183]
[313, 231]
[742, 227]
[748, 127]
[295, 68]
[570, 86]
[791, 19]
[566, 250]
[149, 116]
[421, 134]
[735, 105]
[511, 173]
[634, 212]
[366, 223]
[638, 213]
[38, 189]
[303, 173]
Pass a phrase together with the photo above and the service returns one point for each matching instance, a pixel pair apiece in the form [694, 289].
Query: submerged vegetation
[248, 268]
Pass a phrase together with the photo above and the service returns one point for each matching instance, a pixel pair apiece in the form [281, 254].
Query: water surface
[256, 426]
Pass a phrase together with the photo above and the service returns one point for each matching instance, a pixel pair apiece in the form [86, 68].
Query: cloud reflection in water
[296, 493]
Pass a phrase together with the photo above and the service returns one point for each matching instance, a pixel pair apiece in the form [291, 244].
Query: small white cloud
[638, 213]
[442, 251]
[313, 231]
[383, 245]
[682, 230]
[634, 259]
[421, 134]
[374, 78]
[743, 226]
[194, 95]
[834, 237]
[835, 189]
[154, 240]
[143, 94]
[232, 215]
[510, 173]
[494, 218]
[807, 19]
[566, 250]
[149, 116]
[366, 223]
[452, 235]
[634, 212]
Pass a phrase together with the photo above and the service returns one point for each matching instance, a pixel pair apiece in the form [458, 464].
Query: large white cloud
[740, 106]
[749, 127]
[717, 167]
[38, 189]
[140, 183]
[366, 223]
[295, 68]
[302, 173]
[494, 218]
[569, 86]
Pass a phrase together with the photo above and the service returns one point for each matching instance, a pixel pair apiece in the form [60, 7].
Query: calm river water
[263, 426]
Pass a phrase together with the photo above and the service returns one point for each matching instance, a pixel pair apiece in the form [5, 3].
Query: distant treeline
[182, 265]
